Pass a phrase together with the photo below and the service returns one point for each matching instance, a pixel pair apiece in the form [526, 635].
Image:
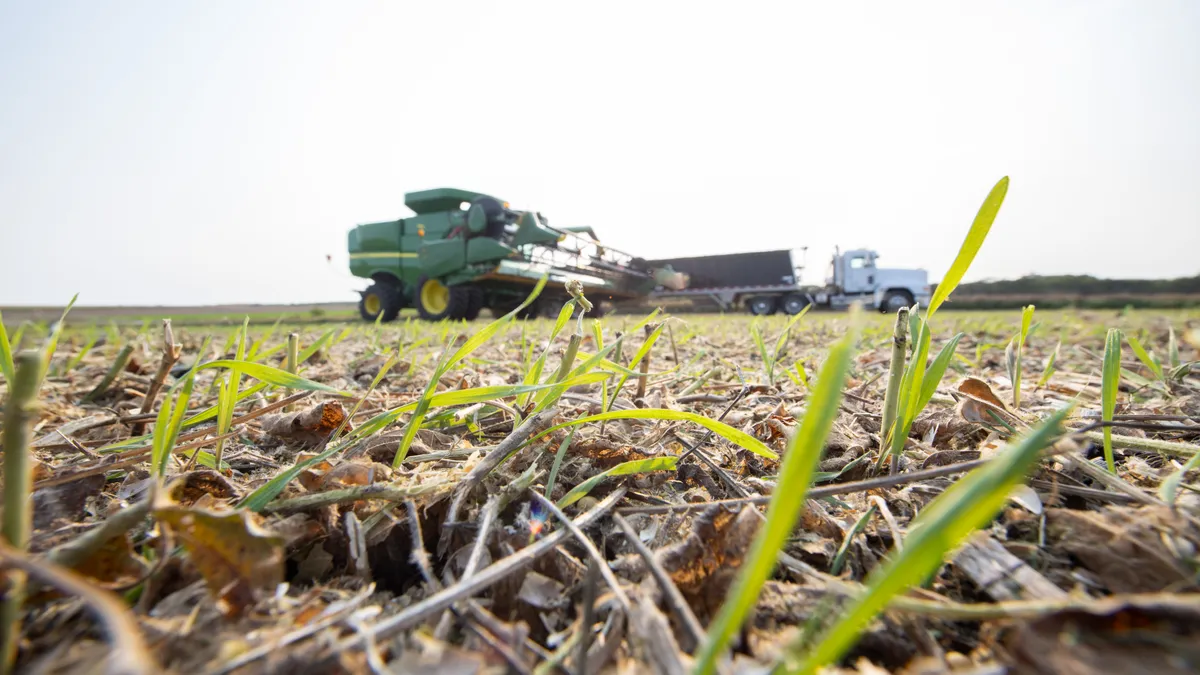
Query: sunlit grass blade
[534, 373]
[270, 374]
[1110, 381]
[970, 246]
[1049, 369]
[52, 341]
[787, 501]
[558, 460]
[1148, 359]
[470, 345]
[637, 359]
[839, 558]
[768, 362]
[731, 434]
[967, 505]
[937, 370]
[1169, 488]
[787, 330]
[83, 352]
[170, 421]
[6, 354]
[624, 469]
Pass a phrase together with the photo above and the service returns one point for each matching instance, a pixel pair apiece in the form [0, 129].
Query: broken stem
[171, 352]
[895, 375]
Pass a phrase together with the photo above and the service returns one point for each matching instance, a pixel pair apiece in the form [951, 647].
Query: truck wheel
[437, 301]
[794, 304]
[895, 300]
[379, 299]
[763, 305]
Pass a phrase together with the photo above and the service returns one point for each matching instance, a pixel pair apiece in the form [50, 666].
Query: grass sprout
[787, 500]
[968, 504]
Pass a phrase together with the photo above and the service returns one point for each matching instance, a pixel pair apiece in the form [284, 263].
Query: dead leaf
[978, 400]
[351, 473]
[715, 547]
[191, 486]
[307, 428]
[236, 557]
[114, 564]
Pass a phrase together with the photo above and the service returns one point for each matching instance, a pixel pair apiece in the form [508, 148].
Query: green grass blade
[83, 352]
[534, 374]
[558, 460]
[170, 421]
[637, 359]
[970, 246]
[52, 341]
[6, 354]
[768, 362]
[1148, 359]
[489, 331]
[270, 375]
[937, 370]
[1170, 485]
[731, 434]
[970, 503]
[1049, 369]
[1110, 381]
[623, 469]
[787, 501]
[782, 339]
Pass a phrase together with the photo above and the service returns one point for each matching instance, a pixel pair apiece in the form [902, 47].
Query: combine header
[465, 251]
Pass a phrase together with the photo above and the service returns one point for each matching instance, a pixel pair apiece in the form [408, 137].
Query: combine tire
[474, 304]
[894, 300]
[437, 301]
[794, 304]
[763, 305]
[380, 298]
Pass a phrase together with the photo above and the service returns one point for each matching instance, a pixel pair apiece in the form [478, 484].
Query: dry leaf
[979, 402]
[308, 428]
[236, 557]
[188, 488]
[114, 564]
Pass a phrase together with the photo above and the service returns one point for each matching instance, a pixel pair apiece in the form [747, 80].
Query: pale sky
[211, 152]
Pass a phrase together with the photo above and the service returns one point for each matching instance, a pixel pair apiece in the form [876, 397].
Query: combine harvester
[765, 282]
[465, 251]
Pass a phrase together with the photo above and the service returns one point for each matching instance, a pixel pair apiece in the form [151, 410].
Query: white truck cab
[855, 275]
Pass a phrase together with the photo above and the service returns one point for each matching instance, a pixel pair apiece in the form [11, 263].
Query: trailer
[765, 282]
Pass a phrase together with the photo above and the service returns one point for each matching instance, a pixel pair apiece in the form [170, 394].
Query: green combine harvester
[464, 252]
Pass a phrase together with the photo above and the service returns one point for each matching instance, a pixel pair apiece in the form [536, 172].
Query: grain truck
[765, 282]
[463, 252]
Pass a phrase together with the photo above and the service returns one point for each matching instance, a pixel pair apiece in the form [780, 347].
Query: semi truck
[462, 252]
[766, 282]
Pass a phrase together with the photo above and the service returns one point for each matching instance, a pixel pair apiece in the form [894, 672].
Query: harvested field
[360, 546]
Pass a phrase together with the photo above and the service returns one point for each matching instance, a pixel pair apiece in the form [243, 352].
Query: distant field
[212, 314]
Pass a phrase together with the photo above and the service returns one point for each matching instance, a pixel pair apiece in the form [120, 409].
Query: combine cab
[464, 252]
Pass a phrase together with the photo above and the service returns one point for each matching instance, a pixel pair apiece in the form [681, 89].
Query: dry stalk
[171, 352]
